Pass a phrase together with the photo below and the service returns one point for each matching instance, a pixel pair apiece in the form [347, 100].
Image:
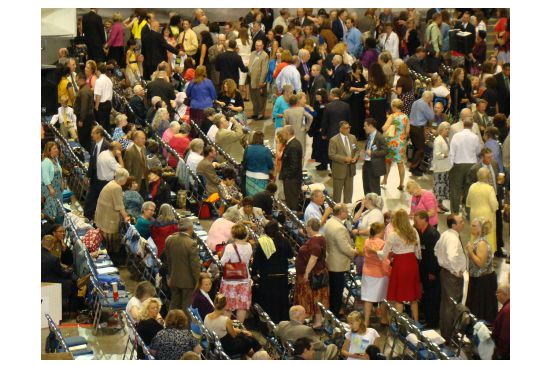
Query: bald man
[291, 168]
[154, 49]
[109, 161]
[457, 127]
[135, 161]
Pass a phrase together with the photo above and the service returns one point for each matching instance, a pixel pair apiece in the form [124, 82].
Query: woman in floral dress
[52, 181]
[396, 141]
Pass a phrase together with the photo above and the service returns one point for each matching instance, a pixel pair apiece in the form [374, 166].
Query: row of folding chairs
[334, 329]
[57, 342]
[212, 347]
[278, 349]
[408, 339]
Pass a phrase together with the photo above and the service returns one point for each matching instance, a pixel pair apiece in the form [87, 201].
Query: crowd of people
[343, 80]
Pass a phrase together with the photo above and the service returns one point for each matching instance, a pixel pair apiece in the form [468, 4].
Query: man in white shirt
[463, 153]
[315, 209]
[67, 119]
[103, 92]
[109, 161]
[458, 127]
[282, 20]
[453, 263]
[388, 41]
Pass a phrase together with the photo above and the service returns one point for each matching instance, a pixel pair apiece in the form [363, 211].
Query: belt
[452, 273]
[104, 102]
[133, 62]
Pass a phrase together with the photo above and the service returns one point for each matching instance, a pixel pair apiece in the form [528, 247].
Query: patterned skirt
[308, 298]
[254, 185]
[238, 294]
[441, 185]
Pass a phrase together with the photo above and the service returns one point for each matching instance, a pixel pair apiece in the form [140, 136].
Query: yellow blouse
[137, 28]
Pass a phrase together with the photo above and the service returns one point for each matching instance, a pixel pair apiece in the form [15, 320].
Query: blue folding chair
[72, 344]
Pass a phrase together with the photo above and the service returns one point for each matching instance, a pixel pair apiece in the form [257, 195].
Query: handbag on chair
[235, 270]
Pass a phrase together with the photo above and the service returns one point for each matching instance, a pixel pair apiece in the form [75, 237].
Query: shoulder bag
[235, 270]
[319, 280]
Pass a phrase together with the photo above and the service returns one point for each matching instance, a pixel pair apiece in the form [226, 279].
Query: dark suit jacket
[334, 112]
[337, 28]
[260, 35]
[318, 82]
[429, 262]
[202, 304]
[138, 106]
[291, 161]
[469, 28]
[92, 168]
[182, 260]
[304, 84]
[264, 201]
[378, 165]
[155, 47]
[228, 65]
[93, 29]
[84, 106]
[304, 22]
[341, 73]
[160, 87]
[415, 64]
[503, 94]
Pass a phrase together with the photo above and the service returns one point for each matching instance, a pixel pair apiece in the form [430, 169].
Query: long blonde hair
[143, 314]
[402, 226]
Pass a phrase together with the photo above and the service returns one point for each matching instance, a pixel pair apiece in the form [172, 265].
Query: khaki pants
[258, 101]
[181, 299]
[451, 286]
[345, 185]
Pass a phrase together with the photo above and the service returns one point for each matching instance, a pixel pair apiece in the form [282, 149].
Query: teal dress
[51, 208]
[397, 144]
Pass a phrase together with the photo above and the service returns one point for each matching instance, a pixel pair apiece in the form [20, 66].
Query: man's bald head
[465, 113]
[297, 313]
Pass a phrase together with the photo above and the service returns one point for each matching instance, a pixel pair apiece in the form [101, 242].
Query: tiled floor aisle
[112, 346]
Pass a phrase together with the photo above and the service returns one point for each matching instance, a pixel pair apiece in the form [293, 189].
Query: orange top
[373, 266]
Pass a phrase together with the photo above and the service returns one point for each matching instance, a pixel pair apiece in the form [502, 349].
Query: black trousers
[116, 53]
[95, 52]
[336, 281]
[292, 190]
[499, 222]
[103, 115]
[417, 135]
[430, 302]
[369, 179]
[148, 71]
[274, 296]
[84, 135]
[95, 187]
[451, 286]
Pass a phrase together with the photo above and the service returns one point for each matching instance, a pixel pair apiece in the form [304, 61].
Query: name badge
[232, 100]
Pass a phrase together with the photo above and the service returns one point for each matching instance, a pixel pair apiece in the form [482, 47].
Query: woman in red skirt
[404, 282]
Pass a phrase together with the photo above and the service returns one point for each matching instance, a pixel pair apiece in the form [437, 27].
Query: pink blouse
[219, 232]
[115, 39]
[426, 201]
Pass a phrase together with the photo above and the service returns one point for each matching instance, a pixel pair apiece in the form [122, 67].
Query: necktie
[64, 117]
[492, 181]
[347, 146]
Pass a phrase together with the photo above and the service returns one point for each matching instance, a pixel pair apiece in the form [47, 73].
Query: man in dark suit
[291, 168]
[304, 69]
[334, 112]
[503, 89]
[138, 104]
[465, 26]
[417, 61]
[301, 19]
[257, 34]
[83, 108]
[317, 82]
[93, 33]
[53, 272]
[429, 269]
[162, 88]
[229, 63]
[497, 182]
[264, 199]
[338, 26]
[154, 49]
[340, 73]
[95, 185]
[374, 158]
[183, 265]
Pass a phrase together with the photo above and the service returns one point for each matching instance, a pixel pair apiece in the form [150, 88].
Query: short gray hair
[147, 205]
[443, 126]
[121, 174]
[376, 200]
[197, 144]
[338, 208]
[174, 124]
[137, 89]
[184, 128]
[287, 88]
[232, 214]
[338, 58]
[483, 174]
[302, 52]
[166, 213]
[428, 95]
[120, 117]
[185, 224]
[315, 193]
[314, 224]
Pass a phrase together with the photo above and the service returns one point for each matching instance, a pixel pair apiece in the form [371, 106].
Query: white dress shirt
[103, 87]
[59, 117]
[106, 166]
[450, 253]
[458, 127]
[390, 44]
[464, 148]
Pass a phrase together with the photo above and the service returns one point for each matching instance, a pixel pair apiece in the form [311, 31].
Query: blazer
[135, 162]
[304, 84]
[228, 65]
[339, 246]
[52, 271]
[291, 161]
[213, 53]
[205, 169]
[378, 166]
[92, 168]
[503, 94]
[340, 75]
[182, 261]
[294, 117]
[155, 47]
[162, 88]
[230, 141]
[257, 68]
[84, 105]
[292, 330]
[337, 28]
[317, 83]
[202, 304]
[337, 153]
[440, 152]
[290, 43]
[334, 112]
[429, 262]
[93, 29]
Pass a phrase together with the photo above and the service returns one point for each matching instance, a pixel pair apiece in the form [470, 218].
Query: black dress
[413, 42]
[237, 101]
[458, 93]
[358, 109]
[320, 146]
[147, 329]
[492, 99]
[273, 274]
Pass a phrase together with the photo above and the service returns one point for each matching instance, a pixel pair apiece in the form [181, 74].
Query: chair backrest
[55, 330]
[132, 331]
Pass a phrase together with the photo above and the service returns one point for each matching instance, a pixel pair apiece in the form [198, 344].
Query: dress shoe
[499, 253]
[416, 172]
[253, 117]
[321, 167]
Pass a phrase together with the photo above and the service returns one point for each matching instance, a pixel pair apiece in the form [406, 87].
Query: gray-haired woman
[220, 230]
[440, 165]
[110, 211]
[165, 225]
[373, 204]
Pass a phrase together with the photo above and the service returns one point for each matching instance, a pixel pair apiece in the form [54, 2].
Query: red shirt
[501, 332]
[315, 246]
[179, 144]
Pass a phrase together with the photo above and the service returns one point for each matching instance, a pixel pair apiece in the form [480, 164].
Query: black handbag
[318, 281]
